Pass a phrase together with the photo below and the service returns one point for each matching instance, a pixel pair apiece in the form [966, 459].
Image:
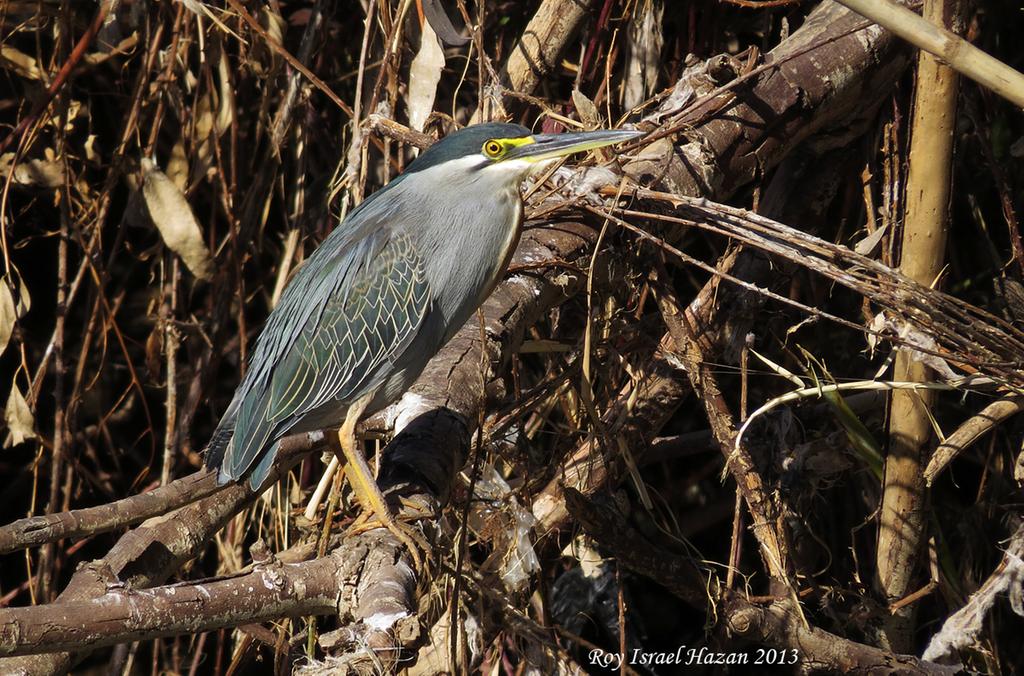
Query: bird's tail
[245, 440]
[252, 439]
[221, 439]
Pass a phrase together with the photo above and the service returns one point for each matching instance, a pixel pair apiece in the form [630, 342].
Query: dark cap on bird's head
[466, 141]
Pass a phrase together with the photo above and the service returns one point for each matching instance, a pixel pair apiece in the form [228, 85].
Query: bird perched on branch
[382, 295]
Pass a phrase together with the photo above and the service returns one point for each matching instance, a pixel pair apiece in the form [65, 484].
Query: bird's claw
[409, 536]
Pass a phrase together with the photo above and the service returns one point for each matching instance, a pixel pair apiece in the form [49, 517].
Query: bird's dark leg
[360, 478]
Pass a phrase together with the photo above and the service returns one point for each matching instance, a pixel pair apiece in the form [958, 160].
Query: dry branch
[151, 553]
[970, 431]
[922, 256]
[933, 323]
[62, 77]
[603, 522]
[542, 43]
[637, 414]
[779, 625]
[365, 582]
[122, 615]
[696, 351]
[951, 49]
[631, 420]
[717, 155]
[821, 83]
[129, 511]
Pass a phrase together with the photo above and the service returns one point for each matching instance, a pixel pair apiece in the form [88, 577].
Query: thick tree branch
[151, 553]
[366, 582]
[129, 511]
[821, 83]
[123, 614]
[538, 50]
[820, 651]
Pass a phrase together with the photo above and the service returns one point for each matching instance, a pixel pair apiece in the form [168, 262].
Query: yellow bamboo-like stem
[950, 49]
[923, 254]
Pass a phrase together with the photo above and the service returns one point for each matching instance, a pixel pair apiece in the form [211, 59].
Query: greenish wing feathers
[337, 357]
[370, 300]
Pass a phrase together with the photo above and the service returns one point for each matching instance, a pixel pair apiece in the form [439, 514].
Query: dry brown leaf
[18, 418]
[644, 40]
[42, 173]
[7, 316]
[90, 148]
[226, 112]
[107, 51]
[424, 74]
[266, 59]
[588, 112]
[177, 163]
[274, 24]
[867, 246]
[11, 311]
[179, 166]
[20, 63]
[154, 350]
[75, 109]
[173, 217]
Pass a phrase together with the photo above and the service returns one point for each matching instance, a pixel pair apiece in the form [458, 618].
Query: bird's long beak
[551, 146]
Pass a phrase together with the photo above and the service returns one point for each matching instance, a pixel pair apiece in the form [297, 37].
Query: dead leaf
[424, 74]
[90, 148]
[7, 316]
[154, 350]
[867, 246]
[589, 115]
[173, 217]
[274, 24]
[19, 419]
[226, 112]
[644, 40]
[107, 50]
[41, 173]
[11, 311]
[213, 113]
[20, 63]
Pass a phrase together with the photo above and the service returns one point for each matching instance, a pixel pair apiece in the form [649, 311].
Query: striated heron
[382, 295]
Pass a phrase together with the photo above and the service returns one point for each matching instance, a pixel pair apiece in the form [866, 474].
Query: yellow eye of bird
[492, 149]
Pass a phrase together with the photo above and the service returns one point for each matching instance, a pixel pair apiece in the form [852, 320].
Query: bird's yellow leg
[360, 478]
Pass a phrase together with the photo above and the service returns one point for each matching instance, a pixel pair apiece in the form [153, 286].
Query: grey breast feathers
[349, 313]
